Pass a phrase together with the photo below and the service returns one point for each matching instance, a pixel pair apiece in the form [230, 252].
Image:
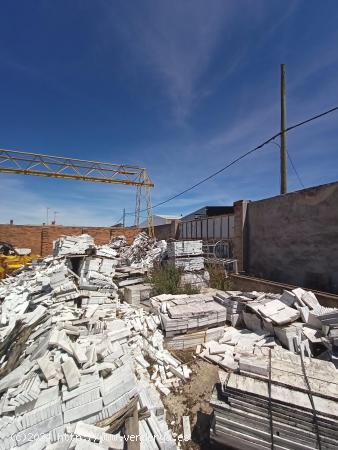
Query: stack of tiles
[97, 272]
[251, 413]
[177, 249]
[186, 255]
[235, 302]
[137, 293]
[183, 314]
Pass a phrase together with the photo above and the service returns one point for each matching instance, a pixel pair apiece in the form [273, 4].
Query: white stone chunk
[47, 367]
[72, 374]
[186, 428]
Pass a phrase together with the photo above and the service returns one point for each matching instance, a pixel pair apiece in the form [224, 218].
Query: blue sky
[180, 87]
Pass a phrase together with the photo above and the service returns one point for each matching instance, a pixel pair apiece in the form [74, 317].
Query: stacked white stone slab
[118, 242]
[198, 280]
[106, 251]
[235, 303]
[23, 251]
[98, 271]
[182, 314]
[192, 264]
[197, 338]
[186, 255]
[135, 294]
[246, 412]
[177, 249]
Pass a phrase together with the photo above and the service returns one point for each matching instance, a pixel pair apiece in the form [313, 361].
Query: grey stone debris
[73, 245]
[86, 350]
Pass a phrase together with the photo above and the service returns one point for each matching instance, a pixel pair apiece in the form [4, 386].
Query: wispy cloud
[177, 41]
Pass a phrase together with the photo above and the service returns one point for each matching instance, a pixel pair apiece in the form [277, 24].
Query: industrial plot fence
[210, 229]
[216, 233]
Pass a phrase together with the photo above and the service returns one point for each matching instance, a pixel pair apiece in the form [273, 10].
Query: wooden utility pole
[283, 159]
[124, 217]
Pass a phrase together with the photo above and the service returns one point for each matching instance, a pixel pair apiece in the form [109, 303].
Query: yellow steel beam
[76, 177]
[27, 163]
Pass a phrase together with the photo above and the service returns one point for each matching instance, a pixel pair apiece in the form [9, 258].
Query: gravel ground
[193, 400]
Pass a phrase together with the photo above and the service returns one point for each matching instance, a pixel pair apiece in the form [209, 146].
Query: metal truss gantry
[143, 197]
[26, 163]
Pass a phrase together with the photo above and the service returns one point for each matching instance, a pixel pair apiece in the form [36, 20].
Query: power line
[118, 221]
[244, 155]
[292, 164]
[295, 170]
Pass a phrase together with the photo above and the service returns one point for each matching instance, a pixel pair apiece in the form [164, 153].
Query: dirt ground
[192, 400]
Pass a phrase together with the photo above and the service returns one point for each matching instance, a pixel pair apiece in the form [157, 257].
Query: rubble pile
[97, 271]
[270, 394]
[80, 369]
[235, 348]
[112, 249]
[75, 362]
[144, 251]
[186, 255]
[73, 245]
[293, 405]
[294, 318]
[118, 242]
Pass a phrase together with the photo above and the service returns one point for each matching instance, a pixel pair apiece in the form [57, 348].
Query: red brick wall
[40, 238]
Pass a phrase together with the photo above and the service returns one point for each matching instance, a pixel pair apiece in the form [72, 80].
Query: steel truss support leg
[143, 197]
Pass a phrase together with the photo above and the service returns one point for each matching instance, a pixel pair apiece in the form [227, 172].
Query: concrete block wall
[291, 238]
[40, 238]
[239, 239]
[167, 231]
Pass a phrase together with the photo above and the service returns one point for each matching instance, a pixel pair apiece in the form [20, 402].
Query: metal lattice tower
[143, 197]
[26, 163]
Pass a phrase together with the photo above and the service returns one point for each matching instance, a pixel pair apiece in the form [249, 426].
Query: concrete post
[239, 250]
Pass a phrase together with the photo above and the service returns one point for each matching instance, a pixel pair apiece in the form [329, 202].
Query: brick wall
[40, 238]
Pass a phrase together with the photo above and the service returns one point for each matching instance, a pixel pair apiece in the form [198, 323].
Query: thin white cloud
[177, 41]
